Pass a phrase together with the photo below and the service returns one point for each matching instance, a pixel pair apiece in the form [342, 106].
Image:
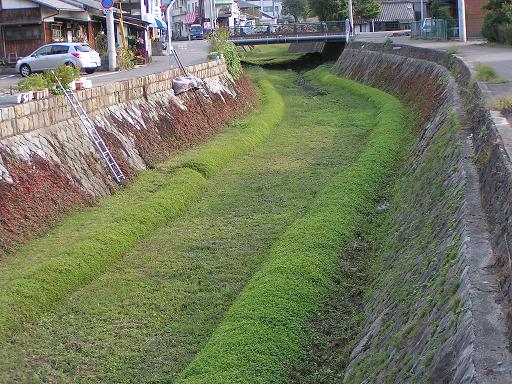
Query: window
[267, 9]
[59, 49]
[83, 48]
[57, 32]
[43, 51]
[29, 32]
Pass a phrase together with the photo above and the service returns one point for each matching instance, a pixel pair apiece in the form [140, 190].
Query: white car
[50, 56]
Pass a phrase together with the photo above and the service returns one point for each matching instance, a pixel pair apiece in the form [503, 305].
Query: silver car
[50, 56]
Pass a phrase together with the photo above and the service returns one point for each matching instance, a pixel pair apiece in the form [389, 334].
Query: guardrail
[288, 30]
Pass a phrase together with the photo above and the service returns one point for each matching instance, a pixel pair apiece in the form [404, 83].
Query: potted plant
[35, 84]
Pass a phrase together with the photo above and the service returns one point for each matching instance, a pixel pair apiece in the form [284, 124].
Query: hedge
[48, 282]
[263, 331]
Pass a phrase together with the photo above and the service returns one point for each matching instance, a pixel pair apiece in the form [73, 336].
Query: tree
[366, 9]
[327, 9]
[499, 15]
[295, 8]
[438, 10]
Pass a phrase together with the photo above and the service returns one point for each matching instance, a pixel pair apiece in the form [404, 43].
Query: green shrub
[503, 104]
[65, 73]
[232, 54]
[125, 59]
[488, 74]
[101, 43]
[505, 34]
[388, 41]
[264, 330]
[35, 82]
[45, 284]
[452, 50]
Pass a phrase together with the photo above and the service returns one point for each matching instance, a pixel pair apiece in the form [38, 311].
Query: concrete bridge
[332, 31]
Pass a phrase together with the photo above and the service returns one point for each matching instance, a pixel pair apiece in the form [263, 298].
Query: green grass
[452, 50]
[270, 55]
[146, 319]
[264, 331]
[30, 285]
[502, 104]
[488, 75]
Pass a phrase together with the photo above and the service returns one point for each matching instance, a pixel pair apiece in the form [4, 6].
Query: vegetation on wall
[219, 43]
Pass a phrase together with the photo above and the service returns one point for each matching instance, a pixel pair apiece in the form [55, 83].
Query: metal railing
[296, 29]
[430, 29]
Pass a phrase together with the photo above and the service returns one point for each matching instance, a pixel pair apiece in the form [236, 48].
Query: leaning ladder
[92, 132]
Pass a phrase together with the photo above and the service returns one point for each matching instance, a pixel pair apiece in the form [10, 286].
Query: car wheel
[90, 71]
[70, 64]
[25, 70]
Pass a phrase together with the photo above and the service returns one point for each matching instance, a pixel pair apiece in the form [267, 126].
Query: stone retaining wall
[48, 164]
[435, 316]
[22, 118]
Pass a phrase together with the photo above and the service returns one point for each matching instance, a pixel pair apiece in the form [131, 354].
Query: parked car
[196, 32]
[50, 56]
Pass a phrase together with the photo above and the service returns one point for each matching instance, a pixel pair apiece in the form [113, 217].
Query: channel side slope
[435, 315]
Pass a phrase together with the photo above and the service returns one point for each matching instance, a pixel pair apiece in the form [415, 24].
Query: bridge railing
[296, 29]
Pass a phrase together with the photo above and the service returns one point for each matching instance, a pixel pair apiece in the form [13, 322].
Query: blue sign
[107, 4]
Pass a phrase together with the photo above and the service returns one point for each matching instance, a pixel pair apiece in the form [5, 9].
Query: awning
[160, 24]
[59, 5]
[88, 3]
[148, 18]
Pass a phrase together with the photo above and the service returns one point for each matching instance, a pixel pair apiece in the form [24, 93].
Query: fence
[430, 29]
[325, 28]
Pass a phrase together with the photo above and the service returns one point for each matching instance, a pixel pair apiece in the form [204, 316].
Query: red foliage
[42, 191]
[38, 197]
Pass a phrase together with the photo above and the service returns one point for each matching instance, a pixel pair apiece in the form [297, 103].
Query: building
[27, 24]
[271, 9]
[143, 23]
[227, 13]
[393, 16]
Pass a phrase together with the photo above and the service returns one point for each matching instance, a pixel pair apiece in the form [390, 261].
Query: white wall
[18, 4]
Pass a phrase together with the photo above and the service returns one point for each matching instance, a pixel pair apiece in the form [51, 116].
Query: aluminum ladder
[92, 132]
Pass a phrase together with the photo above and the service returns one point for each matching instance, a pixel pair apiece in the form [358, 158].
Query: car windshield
[196, 28]
[83, 48]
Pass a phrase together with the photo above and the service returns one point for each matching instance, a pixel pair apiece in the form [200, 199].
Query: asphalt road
[190, 53]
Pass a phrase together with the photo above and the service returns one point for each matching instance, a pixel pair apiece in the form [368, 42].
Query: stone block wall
[436, 315]
[21, 118]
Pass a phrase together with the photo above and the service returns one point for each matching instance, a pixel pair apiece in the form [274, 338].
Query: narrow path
[145, 320]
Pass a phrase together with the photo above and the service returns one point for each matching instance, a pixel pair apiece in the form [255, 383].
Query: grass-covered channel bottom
[225, 290]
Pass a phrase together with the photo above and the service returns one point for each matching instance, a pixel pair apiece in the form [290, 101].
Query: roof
[89, 3]
[396, 11]
[59, 5]
[245, 4]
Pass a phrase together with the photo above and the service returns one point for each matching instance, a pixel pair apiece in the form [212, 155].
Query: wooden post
[90, 35]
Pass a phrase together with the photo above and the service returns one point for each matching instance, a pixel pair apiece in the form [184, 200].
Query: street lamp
[170, 50]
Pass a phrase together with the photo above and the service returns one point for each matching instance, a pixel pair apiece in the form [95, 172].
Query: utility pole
[422, 5]
[350, 18]
[462, 20]
[170, 50]
[112, 59]
[111, 40]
